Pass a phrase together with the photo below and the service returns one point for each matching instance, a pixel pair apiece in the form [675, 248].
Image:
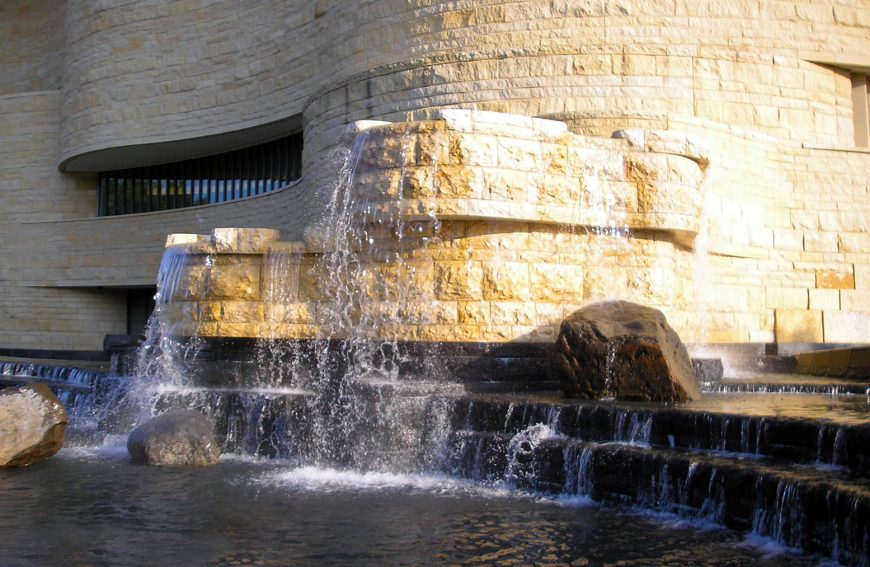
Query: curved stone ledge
[478, 281]
[485, 165]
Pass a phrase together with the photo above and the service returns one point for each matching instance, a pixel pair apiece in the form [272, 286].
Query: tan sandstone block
[854, 241]
[512, 313]
[556, 190]
[192, 281]
[418, 183]
[554, 159]
[431, 145]
[468, 149]
[209, 311]
[430, 312]
[556, 282]
[458, 280]
[384, 149]
[799, 326]
[786, 298]
[505, 280]
[240, 282]
[244, 240]
[832, 279]
[509, 185]
[239, 330]
[242, 311]
[379, 184]
[296, 313]
[824, 299]
[289, 331]
[459, 181]
[855, 300]
[638, 64]
[847, 327]
[450, 333]
[788, 239]
[518, 154]
[202, 329]
[474, 312]
[821, 242]
[862, 276]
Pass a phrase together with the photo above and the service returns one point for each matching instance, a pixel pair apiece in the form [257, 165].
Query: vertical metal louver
[213, 179]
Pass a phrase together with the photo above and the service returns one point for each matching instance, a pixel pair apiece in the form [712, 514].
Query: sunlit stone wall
[507, 225]
[765, 82]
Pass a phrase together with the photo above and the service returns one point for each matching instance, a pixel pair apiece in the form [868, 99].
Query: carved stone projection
[472, 226]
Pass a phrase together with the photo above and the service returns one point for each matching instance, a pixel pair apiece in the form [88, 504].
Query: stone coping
[848, 362]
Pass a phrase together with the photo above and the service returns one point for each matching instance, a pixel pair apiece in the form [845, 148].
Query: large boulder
[175, 438]
[32, 425]
[622, 350]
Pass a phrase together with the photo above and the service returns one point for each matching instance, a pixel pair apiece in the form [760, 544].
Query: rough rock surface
[32, 425]
[622, 350]
[176, 438]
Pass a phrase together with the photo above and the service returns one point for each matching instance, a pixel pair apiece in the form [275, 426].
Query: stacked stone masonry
[531, 222]
[783, 227]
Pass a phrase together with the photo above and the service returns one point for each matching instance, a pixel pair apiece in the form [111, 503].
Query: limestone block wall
[31, 49]
[474, 227]
[766, 82]
[786, 236]
[182, 69]
[31, 188]
[125, 250]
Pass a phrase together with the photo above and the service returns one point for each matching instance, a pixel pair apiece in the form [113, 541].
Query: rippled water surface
[86, 507]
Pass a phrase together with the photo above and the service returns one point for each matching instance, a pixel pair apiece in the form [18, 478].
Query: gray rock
[32, 425]
[622, 350]
[176, 438]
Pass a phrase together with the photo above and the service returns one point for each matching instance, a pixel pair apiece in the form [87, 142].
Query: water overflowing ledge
[448, 254]
[799, 478]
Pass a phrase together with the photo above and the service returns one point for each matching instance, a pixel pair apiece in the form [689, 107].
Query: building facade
[777, 89]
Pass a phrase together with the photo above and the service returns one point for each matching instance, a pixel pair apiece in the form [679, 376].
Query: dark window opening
[140, 306]
[202, 181]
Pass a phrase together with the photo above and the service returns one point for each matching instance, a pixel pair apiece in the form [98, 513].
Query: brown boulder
[622, 350]
[175, 438]
[32, 425]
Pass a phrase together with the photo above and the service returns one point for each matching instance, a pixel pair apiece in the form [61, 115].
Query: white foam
[114, 447]
[260, 460]
[175, 389]
[572, 501]
[313, 479]
[673, 520]
[768, 546]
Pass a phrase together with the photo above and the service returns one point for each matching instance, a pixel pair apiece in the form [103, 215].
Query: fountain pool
[92, 507]
[364, 383]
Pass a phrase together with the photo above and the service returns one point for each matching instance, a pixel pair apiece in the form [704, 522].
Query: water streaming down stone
[353, 397]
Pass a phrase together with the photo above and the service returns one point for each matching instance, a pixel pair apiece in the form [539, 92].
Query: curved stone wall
[174, 70]
[787, 261]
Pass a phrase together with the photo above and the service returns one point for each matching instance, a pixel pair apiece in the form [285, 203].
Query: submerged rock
[176, 438]
[32, 425]
[622, 350]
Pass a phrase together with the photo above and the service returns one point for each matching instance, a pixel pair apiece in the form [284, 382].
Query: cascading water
[364, 410]
[350, 398]
[353, 399]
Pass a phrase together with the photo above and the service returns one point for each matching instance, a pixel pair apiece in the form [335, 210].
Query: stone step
[795, 439]
[816, 508]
